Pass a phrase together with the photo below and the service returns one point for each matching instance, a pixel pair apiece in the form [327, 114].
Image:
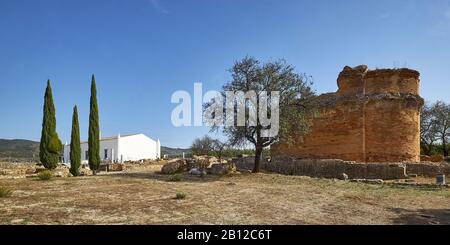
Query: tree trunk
[444, 147]
[258, 152]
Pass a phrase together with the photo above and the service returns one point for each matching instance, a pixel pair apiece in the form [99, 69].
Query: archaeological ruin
[374, 117]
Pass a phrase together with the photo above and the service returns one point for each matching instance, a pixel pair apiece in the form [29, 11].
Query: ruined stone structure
[373, 117]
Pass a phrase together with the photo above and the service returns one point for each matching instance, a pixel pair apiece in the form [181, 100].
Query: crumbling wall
[326, 168]
[373, 117]
[428, 169]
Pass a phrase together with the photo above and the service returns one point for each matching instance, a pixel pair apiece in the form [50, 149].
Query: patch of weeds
[45, 175]
[5, 192]
[180, 195]
[176, 178]
[229, 175]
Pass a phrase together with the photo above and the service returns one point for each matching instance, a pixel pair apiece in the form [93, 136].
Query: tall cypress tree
[94, 131]
[50, 145]
[75, 148]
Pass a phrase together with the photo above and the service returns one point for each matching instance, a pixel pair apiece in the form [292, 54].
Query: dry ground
[141, 196]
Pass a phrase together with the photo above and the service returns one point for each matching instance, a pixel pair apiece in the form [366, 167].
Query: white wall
[138, 147]
[128, 148]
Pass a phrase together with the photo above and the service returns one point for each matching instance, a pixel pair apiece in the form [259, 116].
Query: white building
[133, 147]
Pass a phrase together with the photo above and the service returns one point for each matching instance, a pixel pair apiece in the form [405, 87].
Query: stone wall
[326, 168]
[373, 117]
[428, 169]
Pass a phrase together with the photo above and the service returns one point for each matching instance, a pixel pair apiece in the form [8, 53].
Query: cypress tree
[50, 145]
[94, 131]
[75, 148]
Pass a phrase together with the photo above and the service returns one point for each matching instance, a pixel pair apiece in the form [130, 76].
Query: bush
[45, 175]
[176, 178]
[180, 195]
[5, 192]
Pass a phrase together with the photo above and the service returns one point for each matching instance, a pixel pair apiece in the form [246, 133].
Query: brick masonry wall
[373, 117]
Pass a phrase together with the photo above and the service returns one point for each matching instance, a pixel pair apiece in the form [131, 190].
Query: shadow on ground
[422, 216]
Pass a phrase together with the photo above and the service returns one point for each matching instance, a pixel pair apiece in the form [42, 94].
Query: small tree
[441, 120]
[50, 145]
[94, 131]
[219, 147]
[428, 130]
[296, 103]
[75, 148]
[202, 146]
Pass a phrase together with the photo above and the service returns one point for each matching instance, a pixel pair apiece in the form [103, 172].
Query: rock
[412, 175]
[374, 181]
[85, 172]
[191, 163]
[344, 176]
[212, 160]
[222, 169]
[174, 167]
[30, 171]
[59, 174]
[16, 221]
[368, 181]
[116, 167]
[200, 162]
[195, 171]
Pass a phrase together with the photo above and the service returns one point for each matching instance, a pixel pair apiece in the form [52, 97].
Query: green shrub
[180, 195]
[176, 178]
[5, 192]
[45, 175]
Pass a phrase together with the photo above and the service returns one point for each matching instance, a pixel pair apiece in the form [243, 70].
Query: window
[106, 154]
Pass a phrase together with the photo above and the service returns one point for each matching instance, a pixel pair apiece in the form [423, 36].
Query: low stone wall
[428, 169]
[327, 168]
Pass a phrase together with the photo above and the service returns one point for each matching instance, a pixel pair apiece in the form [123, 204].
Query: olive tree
[292, 102]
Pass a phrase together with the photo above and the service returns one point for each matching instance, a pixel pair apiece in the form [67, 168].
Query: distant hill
[174, 151]
[19, 149]
[29, 150]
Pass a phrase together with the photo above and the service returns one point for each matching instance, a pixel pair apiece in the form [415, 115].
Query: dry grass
[145, 197]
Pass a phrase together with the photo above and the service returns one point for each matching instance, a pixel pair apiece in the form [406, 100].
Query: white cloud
[157, 5]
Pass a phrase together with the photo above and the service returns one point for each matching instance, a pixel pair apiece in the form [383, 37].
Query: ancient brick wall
[373, 117]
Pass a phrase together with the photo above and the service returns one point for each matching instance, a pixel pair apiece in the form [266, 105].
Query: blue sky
[141, 51]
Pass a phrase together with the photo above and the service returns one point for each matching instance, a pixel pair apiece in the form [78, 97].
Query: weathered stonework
[326, 168]
[373, 117]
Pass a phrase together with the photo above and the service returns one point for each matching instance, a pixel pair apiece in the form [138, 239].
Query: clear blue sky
[141, 51]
